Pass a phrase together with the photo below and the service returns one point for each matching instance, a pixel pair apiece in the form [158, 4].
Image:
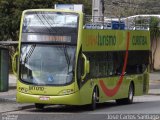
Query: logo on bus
[101, 40]
[106, 40]
[139, 40]
[36, 88]
[22, 89]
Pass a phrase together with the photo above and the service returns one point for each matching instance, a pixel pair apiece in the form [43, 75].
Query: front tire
[129, 100]
[94, 99]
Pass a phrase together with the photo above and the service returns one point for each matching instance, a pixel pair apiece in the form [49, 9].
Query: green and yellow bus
[60, 61]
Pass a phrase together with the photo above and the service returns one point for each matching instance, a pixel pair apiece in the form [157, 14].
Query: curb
[7, 100]
[26, 107]
[156, 94]
[154, 81]
[18, 108]
[12, 86]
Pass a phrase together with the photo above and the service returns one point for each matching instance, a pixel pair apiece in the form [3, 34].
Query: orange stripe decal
[112, 92]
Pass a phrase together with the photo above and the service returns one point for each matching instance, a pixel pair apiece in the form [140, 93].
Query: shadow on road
[77, 109]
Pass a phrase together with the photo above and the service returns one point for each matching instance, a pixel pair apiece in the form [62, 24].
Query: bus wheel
[94, 99]
[129, 99]
[39, 106]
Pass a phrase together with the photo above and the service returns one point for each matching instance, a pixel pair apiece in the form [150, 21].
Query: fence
[100, 22]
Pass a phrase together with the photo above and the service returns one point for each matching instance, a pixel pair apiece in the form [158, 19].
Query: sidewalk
[154, 92]
[8, 99]
[12, 81]
[8, 102]
[154, 83]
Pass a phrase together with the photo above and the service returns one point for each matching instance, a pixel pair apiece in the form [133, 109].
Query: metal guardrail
[99, 22]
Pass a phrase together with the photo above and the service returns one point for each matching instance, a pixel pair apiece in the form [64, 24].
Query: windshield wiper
[67, 57]
[29, 53]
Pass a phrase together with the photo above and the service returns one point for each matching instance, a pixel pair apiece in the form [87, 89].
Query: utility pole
[103, 9]
[98, 10]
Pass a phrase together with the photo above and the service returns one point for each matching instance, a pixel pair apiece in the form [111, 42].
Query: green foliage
[11, 10]
[10, 14]
[154, 27]
[7, 15]
[154, 21]
[154, 34]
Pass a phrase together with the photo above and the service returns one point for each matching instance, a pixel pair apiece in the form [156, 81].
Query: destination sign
[45, 38]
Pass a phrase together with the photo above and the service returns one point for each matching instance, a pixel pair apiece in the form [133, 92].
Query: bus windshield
[49, 20]
[50, 26]
[47, 64]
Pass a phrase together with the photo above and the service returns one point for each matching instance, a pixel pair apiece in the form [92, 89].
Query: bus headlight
[66, 92]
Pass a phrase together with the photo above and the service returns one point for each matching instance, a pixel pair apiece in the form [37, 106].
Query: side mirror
[86, 66]
[14, 63]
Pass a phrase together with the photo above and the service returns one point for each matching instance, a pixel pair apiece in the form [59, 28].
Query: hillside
[122, 8]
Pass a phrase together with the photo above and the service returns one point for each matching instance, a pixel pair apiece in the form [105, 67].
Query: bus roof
[53, 10]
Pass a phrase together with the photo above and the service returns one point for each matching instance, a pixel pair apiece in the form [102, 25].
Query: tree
[10, 14]
[7, 24]
[155, 36]
[11, 10]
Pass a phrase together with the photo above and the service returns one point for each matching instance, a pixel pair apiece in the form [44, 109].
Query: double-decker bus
[60, 61]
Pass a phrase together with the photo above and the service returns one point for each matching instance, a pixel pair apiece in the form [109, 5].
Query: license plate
[44, 98]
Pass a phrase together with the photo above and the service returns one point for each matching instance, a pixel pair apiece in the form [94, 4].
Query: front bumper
[71, 99]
